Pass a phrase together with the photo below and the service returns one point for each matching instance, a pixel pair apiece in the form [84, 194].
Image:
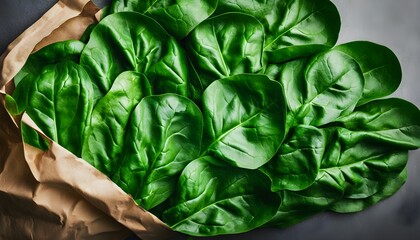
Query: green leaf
[225, 45]
[177, 17]
[11, 105]
[60, 103]
[39, 62]
[130, 41]
[321, 89]
[163, 135]
[293, 28]
[390, 187]
[50, 54]
[296, 165]
[297, 206]
[212, 200]
[104, 138]
[32, 137]
[364, 164]
[391, 121]
[244, 120]
[381, 68]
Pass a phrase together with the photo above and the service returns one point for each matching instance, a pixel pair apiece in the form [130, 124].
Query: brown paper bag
[54, 194]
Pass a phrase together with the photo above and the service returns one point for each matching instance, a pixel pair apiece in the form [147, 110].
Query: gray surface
[388, 22]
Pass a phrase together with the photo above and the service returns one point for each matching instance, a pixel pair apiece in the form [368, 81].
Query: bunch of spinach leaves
[224, 116]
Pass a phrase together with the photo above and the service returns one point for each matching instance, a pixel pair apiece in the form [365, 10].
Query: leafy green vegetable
[321, 89]
[130, 41]
[212, 200]
[60, 102]
[177, 17]
[163, 135]
[226, 45]
[296, 165]
[39, 62]
[382, 70]
[348, 205]
[293, 28]
[299, 205]
[244, 119]
[363, 164]
[391, 121]
[104, 137]
[225, 116]
[51, 54]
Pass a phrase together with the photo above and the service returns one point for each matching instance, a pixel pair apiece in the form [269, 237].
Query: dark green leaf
[60, 103]
[392, 121]
[296, 165]
[226, 45]
[297, 206]
[390, 187]
[50, 54]
[212, 200]
[381, 68]
[104, 138]
[363, 164]
[130, 41]
[321, 89]
[177, 17]
[294, 28]
[163, 135]
[38, 63]
[244, 119]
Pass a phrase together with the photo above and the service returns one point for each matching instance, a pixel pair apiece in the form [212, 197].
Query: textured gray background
[392, 23]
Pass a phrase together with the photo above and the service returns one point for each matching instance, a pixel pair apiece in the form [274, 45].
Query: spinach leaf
[293, 28]
[130, 41]
[381, 68]
[390, 187]
[296, 165]
[321, 89]
[244, 120]
[213, 200]
[38, 63]
[178, 17]
[60, 103]
[364, 164]
[50, 54]
[226, 45]
[104, 138]
[297, 206]
[163, 135]
[391, 121]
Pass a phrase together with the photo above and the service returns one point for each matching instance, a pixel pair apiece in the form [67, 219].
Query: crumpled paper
[54, 194]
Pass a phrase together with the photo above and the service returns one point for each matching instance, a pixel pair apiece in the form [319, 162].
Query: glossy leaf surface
[226, 45]
[299, 205]
[293, 28]
[39, 62]
[391, 121]
[296, 164]
[178, 17]
[104, 138]
[50, 54]
[130, 41]
[163, 135]
[321, 89]
[60, 102]
[363, 164]
[347, 205]
[244, 119]
[381, 68]
[213, 200]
